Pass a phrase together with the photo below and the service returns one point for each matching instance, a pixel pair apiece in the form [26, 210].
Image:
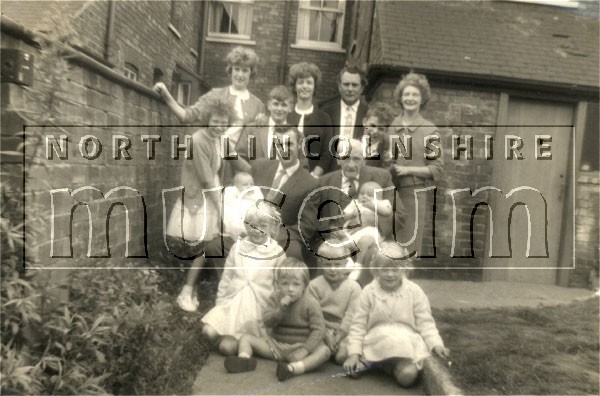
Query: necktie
[352, 187]
[348, 124]
[278, 178]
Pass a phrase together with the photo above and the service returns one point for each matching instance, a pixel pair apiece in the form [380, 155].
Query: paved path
[213, 379]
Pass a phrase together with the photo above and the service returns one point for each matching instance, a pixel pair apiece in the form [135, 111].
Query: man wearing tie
[290, 183]
[324, 211]
[347, 113]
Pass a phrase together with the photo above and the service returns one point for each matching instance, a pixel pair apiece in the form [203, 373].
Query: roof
[499, 39]
[35, 14]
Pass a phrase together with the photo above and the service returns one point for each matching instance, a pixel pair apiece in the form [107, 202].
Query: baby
[238, 199]
[336, 294]
[365, 208]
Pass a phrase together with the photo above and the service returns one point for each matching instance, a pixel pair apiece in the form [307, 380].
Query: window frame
[179, 96]
[229, 37]
[337, 46]
[131, 71]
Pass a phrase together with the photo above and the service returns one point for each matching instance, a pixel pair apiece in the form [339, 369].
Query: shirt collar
[290, 170]
[304, 112]
[243, 95]
[418, 122]
[383, 294]
[346, 179]
[354, 107]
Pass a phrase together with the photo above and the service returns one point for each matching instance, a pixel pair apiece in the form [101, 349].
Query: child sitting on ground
[238, 199]
[247, 281]
[365, 208]
[336, 294]
[296, 328]
[392, 327]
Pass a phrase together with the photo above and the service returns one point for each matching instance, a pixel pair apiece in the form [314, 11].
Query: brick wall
[88, 102]
[586, 222]
[267, 32]
[448, 107]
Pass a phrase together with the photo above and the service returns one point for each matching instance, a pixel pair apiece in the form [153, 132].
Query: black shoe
[235, 364]
[283, 372]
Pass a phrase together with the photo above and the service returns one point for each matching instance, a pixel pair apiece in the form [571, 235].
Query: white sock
[187, 289]
[244, 355]
[297, 367]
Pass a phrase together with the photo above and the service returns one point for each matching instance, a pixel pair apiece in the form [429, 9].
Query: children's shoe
[283, 371]
[187, 302]
[235, 364]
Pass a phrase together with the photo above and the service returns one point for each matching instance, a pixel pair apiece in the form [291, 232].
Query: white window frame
[185, 101]
[233, 37]
[304, 6]
[131, 71]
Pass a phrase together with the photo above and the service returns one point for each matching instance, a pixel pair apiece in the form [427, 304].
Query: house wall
[586, 229]
[267, 33]
[88, 100]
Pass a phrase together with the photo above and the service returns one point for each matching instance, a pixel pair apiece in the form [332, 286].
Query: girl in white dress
[392, 327]
[247, 281]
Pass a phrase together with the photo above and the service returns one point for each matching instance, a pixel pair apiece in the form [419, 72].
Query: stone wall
[586, 234]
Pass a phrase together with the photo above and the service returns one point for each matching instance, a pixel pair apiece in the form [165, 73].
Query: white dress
[244, 289]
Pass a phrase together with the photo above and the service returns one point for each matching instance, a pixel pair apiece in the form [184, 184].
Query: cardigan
[251, 107]
[408, 305]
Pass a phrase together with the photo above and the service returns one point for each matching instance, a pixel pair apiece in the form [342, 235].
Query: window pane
[242, 19]
[331, 4]
[328, 26]
[315, 3]
[313, 33]
[220, 18]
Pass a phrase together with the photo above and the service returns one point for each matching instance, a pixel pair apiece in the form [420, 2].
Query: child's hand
[261, 119]
[441, 351]
[339, 336]
[353, 364]
[297, 355]
[330, 342]
[285, 301]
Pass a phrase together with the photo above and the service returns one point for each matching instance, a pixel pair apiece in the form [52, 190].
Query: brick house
[500, 68]
[513, 59]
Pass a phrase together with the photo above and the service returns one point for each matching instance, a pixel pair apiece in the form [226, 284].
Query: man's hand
[400, 170]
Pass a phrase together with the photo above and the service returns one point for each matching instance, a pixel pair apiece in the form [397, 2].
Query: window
[321, 23]
[230, 19]
[131, 71]
[184, 89]
[176, 17]
[589, 154]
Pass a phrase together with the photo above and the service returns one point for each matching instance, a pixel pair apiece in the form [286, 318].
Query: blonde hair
[264, 211]
[391, 254]
[244, 57]
[292, 268]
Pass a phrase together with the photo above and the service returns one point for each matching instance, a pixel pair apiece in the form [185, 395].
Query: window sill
[230, 40]
[175, 31]
[317, 47]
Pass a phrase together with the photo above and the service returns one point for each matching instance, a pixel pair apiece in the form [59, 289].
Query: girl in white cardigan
[392, 327]
[247, 281]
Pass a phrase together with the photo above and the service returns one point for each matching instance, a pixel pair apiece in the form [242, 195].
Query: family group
[308, 263]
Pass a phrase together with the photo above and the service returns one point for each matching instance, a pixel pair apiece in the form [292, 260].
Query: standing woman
[241, 68]
[412, 93]
[304, 78]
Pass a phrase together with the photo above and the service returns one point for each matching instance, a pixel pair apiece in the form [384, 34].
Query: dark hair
[353, 69]
[303, 70]
[240, 56]
[384, 113]
[416, 80]
[216, 106]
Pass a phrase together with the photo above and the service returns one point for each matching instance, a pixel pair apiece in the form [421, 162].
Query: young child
[365, 208]
[392, 327]
[296, 328]
[376, 123]
[336, 294]
[238, 199]
[247, 281]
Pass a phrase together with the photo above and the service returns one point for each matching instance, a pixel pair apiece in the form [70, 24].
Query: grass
[545, 350]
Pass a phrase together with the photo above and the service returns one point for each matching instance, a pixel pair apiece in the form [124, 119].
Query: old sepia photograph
[300, 197]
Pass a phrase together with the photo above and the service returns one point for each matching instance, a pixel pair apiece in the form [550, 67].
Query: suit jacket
[330, 202]
[335, 112]
[296, 189]
[317, 123]
[261, 136]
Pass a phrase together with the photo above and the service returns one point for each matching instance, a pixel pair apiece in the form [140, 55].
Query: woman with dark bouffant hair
[412, 93]
[304, 79]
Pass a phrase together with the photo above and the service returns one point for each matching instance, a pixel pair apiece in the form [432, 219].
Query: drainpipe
[284, 41]
[110, 22]
[370, 38]
[202, 34]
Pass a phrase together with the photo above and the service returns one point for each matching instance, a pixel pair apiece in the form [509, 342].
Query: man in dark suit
[323, 213]
[347, 113]
[289, 184]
